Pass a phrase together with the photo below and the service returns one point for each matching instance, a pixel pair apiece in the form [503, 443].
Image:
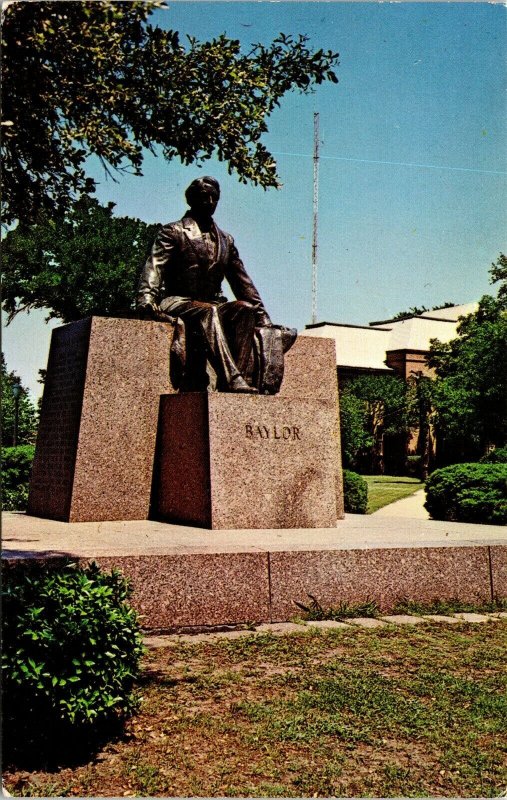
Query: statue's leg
[203, 319]
[238, 323]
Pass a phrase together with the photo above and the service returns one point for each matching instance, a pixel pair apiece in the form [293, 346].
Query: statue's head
[202, 195]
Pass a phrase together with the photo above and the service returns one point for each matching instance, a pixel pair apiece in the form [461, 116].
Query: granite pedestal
[246, 461]
[95, 449]
[98, 423]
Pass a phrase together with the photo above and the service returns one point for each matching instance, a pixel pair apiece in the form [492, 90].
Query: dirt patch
[383, 714]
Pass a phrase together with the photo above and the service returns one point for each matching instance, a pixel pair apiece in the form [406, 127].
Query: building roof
[452, 313]
[365, 347]
[449, 314]
[356, 346]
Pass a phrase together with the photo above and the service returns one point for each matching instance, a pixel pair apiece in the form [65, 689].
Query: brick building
[397, 347]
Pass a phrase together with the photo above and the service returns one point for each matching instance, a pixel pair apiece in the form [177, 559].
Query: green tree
[27, 415]
[355, 438]
[382, 401]
[420, 409]
[470, 391]
[498, 273]
[83, 78]
[86, 264]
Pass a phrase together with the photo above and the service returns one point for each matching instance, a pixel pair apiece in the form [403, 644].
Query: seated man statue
[217, 345]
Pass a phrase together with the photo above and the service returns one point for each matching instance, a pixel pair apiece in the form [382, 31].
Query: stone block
[387, 575]
[231, 461]
[440, 618]
[310, 373]
[96, 442]
[327, 624]
[367, 622]
[195, 589]
[185, 576]
[498, 556]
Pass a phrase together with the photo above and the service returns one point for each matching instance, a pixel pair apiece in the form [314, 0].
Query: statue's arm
[243, 286]
[151, 281]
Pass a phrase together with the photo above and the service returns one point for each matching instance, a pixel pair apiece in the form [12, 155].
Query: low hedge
[355, 490]
[71, 651]
[16, 469]
[469, 493]
[496, 456]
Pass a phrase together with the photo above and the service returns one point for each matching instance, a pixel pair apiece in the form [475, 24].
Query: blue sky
[412, 170]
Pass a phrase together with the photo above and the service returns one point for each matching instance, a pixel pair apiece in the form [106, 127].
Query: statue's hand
[147, 309]
[263, 321]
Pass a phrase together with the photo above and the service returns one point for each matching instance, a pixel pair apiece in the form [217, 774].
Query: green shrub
[468, 493]
[355, 490]
[413, 465]
[496, 456]
[71, 648]
[16, 469]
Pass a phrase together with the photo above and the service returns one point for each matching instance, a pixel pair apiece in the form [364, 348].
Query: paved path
[154, 641]
[411, 507]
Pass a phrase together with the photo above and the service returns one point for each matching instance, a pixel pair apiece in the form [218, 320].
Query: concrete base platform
[186, 577]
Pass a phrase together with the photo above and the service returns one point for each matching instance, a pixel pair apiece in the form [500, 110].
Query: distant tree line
[27, 412]
[416, 311]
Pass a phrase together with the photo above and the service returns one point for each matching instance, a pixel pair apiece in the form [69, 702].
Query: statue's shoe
[238, 384]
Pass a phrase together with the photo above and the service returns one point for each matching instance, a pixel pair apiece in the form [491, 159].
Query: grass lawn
[413, 711]
[385, 489]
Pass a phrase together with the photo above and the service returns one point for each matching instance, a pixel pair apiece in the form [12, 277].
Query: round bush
[71, 646]
[355, 490]
[469, 493]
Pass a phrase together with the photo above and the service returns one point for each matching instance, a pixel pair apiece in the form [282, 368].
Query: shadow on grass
[151, 677]
[39, 744]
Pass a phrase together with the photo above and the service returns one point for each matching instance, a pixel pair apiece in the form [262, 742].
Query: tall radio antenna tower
[315, 214]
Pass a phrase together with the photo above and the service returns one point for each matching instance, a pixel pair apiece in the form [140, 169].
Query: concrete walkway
[153, 642]
[411, 507]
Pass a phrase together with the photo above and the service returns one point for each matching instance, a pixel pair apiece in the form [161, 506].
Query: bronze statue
[218, 345]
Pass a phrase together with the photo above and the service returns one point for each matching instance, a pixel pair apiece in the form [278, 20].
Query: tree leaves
[27, 421]
[82, 78]
[470, 392]
[371, 406]
[88, 263]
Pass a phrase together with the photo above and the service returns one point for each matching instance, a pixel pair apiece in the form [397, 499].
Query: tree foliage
[354, 435]
[415, 311]
[375, 406]
[16, 470]
[420, 412]
[470, 392]
[498, 273]
[83, 78]
[27, 415]
[86, 264]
